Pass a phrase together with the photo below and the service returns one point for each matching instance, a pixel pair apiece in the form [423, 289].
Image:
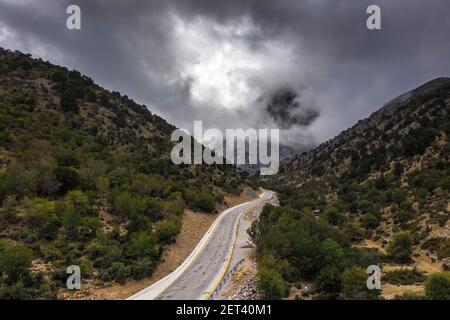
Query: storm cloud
[222, 61]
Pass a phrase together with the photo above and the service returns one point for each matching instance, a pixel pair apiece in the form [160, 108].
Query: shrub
[142, 268]
[354, 282]
[400, 249]
[437, 287]
[68, 178]
[69, 101]
[333, 216]
[15, 260]
[16, 291]
[143, 245]
[329, 280]
[404, 277]
[353, 231]
[270, 284]
[370, 221]
[205, 202]
[71, 221]
[167, 230]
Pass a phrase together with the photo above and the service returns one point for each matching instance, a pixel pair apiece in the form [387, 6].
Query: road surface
[198, 275]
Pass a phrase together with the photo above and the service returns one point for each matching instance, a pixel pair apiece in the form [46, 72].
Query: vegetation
[404, 277]
[437, 287]
[86, 179]
[384, 181]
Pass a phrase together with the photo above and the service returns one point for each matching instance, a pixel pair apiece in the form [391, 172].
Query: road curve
[198, 275]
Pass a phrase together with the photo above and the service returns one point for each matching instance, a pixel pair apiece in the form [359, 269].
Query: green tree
[167, 230]
[329, 279]
[354, 283]
[15, 260]
[143, 245]
[437, 287]
[401, 248]
[271, 284]
[333, 216]
[69, 101]
[71, 221]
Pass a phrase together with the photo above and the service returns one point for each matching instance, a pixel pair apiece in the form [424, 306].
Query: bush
[270, 284]
[142, 268]
[143, 245]
[404, 277]
[329, 280]
[333, 216]
[354, 283]
[16, 291]
[69, 101]
[405, 215]
[353, 231]
[437, 287]
[167, 230]
[400, 249]
[68, 178]
[370, 221]
[117, 272]
[205, 202]
[71, 221]
[15, 260]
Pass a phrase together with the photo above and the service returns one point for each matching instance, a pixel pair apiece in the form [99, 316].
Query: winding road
[197, 277]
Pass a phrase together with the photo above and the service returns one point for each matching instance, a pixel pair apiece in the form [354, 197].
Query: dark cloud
[286, 109]
[213, 60]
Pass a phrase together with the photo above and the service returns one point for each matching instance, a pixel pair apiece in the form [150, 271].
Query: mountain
[378, 193]
[285, 152]
[86, 179]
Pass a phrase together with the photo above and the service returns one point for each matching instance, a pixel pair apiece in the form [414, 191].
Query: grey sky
[221, 61]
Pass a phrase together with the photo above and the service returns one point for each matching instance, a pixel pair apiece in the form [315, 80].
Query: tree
[398, 169]
[333, 216]
[8, 211]
[167, 230]
[41, 216]
[15, 260]
[69, 101]
[68, 178]
[270, 284]
[205, 202]
[143, 245]
[80, 202]
[437, 287]
[370, 221]
[71, 221]
[354, 283]
[353, 231]
[332, 254]
[400, 249]
[329, 279]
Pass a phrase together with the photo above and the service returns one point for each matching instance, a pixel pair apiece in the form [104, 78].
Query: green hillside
[378, 193]
[86, 179]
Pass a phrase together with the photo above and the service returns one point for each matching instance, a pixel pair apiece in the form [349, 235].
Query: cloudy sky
[309, 67]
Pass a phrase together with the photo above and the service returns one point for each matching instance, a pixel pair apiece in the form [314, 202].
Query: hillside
[86, 179]
[378, 193]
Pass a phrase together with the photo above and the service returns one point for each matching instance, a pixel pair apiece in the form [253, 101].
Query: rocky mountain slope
[382, 185]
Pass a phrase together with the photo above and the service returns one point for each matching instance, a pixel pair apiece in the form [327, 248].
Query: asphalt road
[203, 268]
